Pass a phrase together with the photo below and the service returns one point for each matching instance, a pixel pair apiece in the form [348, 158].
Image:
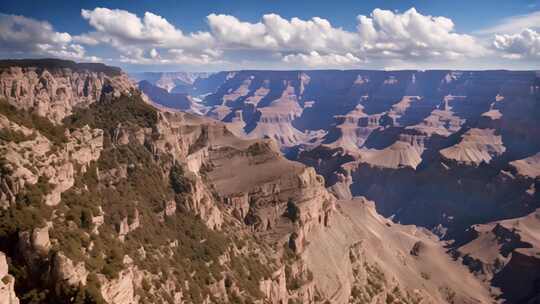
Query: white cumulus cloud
[137, 38]
[413, 35]
[120, 26]
[22, 36]
[314, 59]
[276, 33]
[384, 34]
[380, 39]
[517, 46]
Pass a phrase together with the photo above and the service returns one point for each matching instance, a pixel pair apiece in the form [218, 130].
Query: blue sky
[216, 35]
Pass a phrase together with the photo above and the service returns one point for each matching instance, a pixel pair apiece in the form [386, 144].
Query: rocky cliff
[108, 199]
[507, 253]
[441, 149]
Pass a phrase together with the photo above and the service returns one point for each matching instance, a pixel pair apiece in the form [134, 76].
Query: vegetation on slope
[178, 247]
[54, 133]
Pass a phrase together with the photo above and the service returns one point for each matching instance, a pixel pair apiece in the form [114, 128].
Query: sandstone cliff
[108, 197]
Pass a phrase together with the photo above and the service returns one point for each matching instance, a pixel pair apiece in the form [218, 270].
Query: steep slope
[508, 254]
[376, 260]
[54, 95]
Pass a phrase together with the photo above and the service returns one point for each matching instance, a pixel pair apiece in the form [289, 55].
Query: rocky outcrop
[34, 245]
[85, 145]
[267, 189]
[218, 152]
[528, 167]
[399, 155]
[126, 225]
[67, 272]
[7, 283]
[275, 289]
[122, 289]
[55, 91]
[476, 146]
[38, 156]
[505, 251]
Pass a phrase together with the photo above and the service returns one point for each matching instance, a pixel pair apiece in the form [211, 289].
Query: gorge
[268, 186]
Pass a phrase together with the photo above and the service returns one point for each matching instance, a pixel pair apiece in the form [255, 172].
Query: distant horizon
[273, 70]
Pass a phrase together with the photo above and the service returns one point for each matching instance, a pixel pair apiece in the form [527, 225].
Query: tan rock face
[257, 185]
[3, 265]
[34, 245]
[54, 93]
[528, 167]
[120, 290]
[85, 145]
[170, 208]
[399, 155]
[125, 227]
[202, 203]
[275, 289]
[97, 221]
[476, 146]
[37, 157]
[7, 283]
[40, 240]
[68, 273]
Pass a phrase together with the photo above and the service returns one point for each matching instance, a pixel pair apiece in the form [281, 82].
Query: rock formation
[98, 176]
[111, 199]
[507, 251]
[7, 283]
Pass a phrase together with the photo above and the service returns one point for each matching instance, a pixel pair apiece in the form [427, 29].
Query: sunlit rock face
[54, 90]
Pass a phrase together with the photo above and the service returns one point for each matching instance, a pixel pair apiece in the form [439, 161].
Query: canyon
[267, 186]
[454, 152]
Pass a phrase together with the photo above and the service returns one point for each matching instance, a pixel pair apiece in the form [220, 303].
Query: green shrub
[28, 212]
[127, 110]
[179, 182]
[293, 212]
[15, 136]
